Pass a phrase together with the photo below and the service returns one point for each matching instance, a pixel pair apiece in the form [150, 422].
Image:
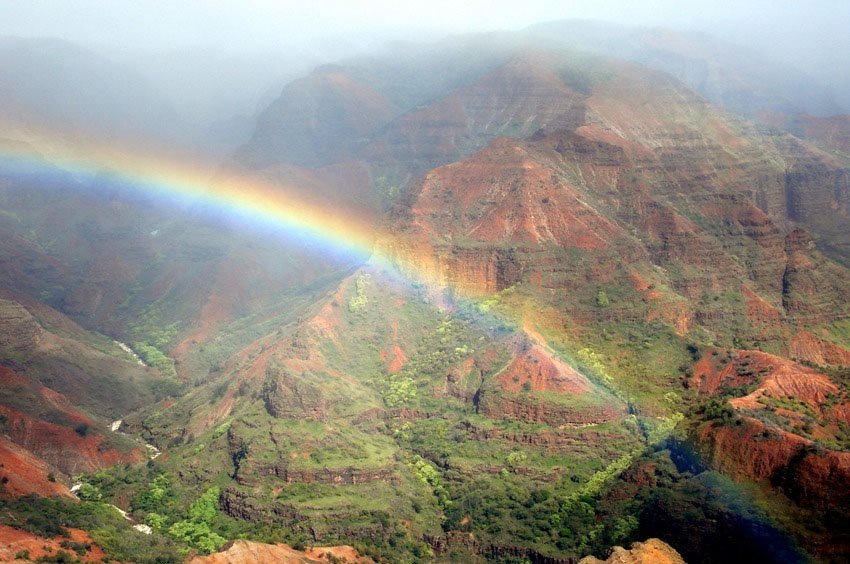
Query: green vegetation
[196, 530]
[51, 517]
[151, 334]
[398, 390]
[157, 501]
[154, 357]
[602, 298]
[428, 475]
[88, 492]
[359, 300]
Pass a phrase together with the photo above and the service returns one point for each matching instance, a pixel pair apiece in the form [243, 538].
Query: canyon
[596, 298]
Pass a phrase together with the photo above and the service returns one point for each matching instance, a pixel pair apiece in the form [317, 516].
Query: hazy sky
[810, 34]
[260, 24]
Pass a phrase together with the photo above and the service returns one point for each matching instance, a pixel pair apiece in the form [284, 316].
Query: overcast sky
[809, 34]
[261, 24]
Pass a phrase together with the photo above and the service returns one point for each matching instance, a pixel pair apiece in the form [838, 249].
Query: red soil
[758, 309]
[62, 446]
[228, 289]
[26, 473]
[395, 359]
[673, 312]
[13, 541]
[806, 346]
[752, 452]
[776, 376]
[11, 380]
[740, 452]
[524, 200]
[596, 133]
[543, 372]
[57, 444]
[328, 320]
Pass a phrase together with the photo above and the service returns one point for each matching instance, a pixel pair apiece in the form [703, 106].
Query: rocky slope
[159, 271]
[61, 386]
[793, 426]
[614, 223]
[617, 182]
[318, 120]
[25, 474]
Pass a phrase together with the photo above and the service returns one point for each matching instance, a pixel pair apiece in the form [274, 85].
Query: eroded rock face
[64, 447]
[341, 521]
[517, 98]
[811, 348]
[812, 477]
[532, 410]
[785, 408]
[288, 397]
[54, 383]
[25, 473]
[652, 551]
[814, 288]
[250, 472]
[805, 182]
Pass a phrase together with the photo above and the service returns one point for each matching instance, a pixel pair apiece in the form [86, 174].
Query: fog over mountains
[216, 68]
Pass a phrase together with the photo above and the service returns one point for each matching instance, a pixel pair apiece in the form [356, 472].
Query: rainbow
[259, 201]
[252, 199]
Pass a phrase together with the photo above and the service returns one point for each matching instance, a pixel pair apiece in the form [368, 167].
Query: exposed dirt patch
[773, 376]
[247, 552]
[394, 358]
[507, 193]
[758, 309]
[14, 541]
[752, 451]
[537, 370]
[809, 347]
[69, 450]
[26, 473]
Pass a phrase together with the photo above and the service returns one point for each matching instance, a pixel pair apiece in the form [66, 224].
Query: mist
[217, 65]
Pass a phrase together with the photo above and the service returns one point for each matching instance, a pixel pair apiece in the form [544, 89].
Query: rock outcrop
[652, 551]
[288, 397]
[812, 477]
